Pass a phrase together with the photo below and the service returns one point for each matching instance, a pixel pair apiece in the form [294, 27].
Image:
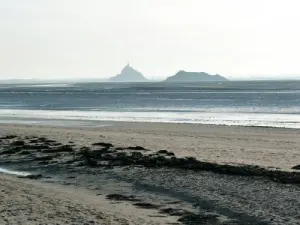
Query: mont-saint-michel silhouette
[129, 74]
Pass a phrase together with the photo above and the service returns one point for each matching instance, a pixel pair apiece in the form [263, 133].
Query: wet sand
[33, 202]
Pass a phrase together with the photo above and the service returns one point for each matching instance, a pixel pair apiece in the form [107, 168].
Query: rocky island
[183, 76]
[129, 74]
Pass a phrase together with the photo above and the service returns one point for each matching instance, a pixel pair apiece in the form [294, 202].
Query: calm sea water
[260, 103]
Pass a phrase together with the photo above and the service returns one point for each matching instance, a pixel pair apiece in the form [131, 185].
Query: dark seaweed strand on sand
[190, 163]
[296, 167]
[109, 157]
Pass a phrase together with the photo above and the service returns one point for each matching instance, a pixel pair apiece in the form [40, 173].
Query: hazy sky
[95, 38]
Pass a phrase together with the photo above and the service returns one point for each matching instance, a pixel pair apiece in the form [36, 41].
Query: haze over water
[256, 103]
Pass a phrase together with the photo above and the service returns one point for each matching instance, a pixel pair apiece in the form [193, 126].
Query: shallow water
[260, 103]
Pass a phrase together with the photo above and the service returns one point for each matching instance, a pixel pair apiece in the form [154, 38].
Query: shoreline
[259, 119]
[103, 123]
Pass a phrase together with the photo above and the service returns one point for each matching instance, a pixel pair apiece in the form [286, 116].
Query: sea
[233, 103]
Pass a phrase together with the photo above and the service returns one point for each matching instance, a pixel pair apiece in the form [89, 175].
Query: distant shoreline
[95, 80]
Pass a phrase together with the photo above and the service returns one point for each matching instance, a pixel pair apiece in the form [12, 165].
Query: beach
[118, 174]
[267, 147]
[31, 202]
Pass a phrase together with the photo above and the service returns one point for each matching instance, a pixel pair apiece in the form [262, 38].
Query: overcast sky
[96, 38]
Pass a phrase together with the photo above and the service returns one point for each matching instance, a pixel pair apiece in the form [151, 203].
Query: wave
[220, 118]
[2, 170]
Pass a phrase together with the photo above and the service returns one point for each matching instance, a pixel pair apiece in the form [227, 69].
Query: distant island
[183, 76]
[129, 74]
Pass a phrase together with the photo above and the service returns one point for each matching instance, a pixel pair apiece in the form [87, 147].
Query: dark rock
[33, 176]
[12, 150]
[91, 162]
[50, 142]
[42, 139]
[36, 147]
[156, 161]
[71, 161]
[109, 157]
[296, 167]
[145, 205]
[84, 148]
[44, 158]
[174, 212]
[192, 218]
[56, 144]
[44, 163]
[8, 137]
[120, 197]
[137, 155]
[24, 152]
[188, 218]
[18, 143]
[165, 152]
[173, 202]
[170, 154]
[103, 144]
[63, 148]
[86, 152]
[121, 155]
[45, 140]
[138, 148]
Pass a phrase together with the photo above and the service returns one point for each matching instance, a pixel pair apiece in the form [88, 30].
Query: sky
[239, 39]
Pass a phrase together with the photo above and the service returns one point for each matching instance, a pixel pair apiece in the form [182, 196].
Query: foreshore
[156, 173]
[32, 202]
[266, 147]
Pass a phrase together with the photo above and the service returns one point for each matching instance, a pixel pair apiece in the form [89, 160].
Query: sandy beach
[32, 202]
[267, 147]
[118, 174]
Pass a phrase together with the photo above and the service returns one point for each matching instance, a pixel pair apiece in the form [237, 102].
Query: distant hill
[183, 76]
[129, 74]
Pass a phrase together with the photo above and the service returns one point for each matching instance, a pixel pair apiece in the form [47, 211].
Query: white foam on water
[44, 85]
[2, 170]
[221, 118]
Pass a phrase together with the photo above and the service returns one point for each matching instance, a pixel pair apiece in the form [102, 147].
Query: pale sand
[267, 147]
[29, 202]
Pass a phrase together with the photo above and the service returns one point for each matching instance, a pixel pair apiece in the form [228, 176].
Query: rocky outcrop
[183, 77]
[129, 74]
